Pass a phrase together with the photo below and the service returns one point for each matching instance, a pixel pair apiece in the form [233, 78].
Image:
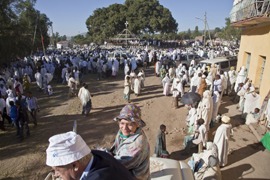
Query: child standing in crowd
[160, 148]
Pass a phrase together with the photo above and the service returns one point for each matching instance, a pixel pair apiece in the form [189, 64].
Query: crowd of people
[131, 152]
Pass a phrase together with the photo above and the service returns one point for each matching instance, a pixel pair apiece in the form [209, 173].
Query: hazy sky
[69, 16]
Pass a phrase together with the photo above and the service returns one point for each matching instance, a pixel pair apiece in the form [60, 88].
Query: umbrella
[190, 98]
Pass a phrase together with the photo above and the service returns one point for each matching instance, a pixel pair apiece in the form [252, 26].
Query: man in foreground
[71, 159]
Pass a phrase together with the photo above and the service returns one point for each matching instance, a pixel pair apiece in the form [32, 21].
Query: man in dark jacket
[71, 159]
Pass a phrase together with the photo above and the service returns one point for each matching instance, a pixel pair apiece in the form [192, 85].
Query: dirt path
[26, 160]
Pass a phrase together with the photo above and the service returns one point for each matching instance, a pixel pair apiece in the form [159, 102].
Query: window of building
[260, 70]
[247, 59]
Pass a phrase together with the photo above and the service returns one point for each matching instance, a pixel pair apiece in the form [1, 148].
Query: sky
[69, 16]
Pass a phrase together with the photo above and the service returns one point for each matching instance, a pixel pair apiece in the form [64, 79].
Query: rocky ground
[26, 159]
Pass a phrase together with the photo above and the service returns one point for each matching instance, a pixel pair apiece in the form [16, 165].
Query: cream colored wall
[256, 41]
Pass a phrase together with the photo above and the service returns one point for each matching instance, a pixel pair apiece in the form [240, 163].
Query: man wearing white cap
[71, 159]
[221, 139]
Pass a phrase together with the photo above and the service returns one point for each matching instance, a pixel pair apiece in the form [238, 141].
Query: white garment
[8, 105]
[218, 85]
[158, 66]
[191, 117]
[216, 103]
[252, 101]
[241, 78]
[166, 85]
[205, 109]
[251, 118]
[84, 95]
[115, 67]
[72, 83]
[126, 69]
[232, 76]
[221, 139]
[38, 79]
[202, 137]
[137, 86]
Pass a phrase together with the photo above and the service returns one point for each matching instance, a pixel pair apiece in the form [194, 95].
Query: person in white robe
[191, 119]
[201, 137]
[175, 92]
[232, 80]
[126, 69]
[253, 117]
[127, 88]
[172, 72]
[195, 82]
[137, 86]
[166, 82]
[213, 70]
[115, 67]
[132, 78]
[38, 78]
[157, 68]
[197, 136]
[181, 86]
[209, 81]
[68, 74]
[221, 139]
[225, 80]
[241, 77]
[9, 98]
[205, 109]
[141, 77]
[85, 97]
[72, 85]
[252, 101]
[216, 103]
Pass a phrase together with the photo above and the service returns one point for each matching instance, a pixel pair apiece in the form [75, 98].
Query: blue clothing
[103, 166]
[87, 169]
[13, 113]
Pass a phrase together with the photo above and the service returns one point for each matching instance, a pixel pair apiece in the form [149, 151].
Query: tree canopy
[143, 17]
[22, 28]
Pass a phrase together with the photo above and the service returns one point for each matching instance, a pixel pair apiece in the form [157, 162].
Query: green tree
[19, 22]
[149, 17]
[196, 32]
[188, 35]
[144, 18]
[229, 32]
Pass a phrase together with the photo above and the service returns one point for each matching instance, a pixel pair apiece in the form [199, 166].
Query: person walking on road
[32, 107]
[221, 139]
[85, 97]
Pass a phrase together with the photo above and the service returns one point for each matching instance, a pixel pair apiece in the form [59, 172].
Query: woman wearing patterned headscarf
[131, 146]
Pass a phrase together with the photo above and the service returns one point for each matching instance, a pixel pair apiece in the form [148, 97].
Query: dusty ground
[26, 160]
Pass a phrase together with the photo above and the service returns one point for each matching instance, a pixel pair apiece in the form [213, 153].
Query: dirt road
[26, 160]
